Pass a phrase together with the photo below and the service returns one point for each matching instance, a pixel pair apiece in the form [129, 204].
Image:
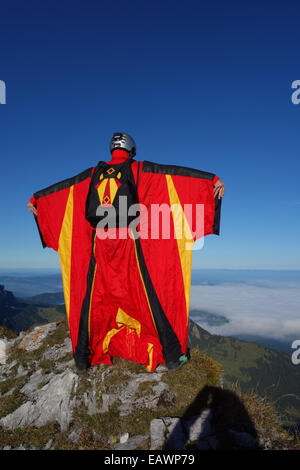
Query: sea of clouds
[260, 308]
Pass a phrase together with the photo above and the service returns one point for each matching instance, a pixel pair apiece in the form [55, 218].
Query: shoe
[82, 365]
[177, 364]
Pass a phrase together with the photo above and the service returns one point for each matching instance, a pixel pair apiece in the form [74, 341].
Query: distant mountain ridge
[210, 319]
[25, 284]
[19, 314]
[52, 298]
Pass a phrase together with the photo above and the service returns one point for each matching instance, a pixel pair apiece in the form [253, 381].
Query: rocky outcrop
[119, 407]
[3, 351]
[50, 403]
[35, 338]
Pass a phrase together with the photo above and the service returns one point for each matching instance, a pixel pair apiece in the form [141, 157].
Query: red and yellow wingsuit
[126, 297]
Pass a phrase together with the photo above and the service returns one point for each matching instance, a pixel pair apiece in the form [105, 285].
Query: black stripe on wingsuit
[40, 233]
[82, 351]
[217, 218]
[150, 167]
[64, 184]
[171, 347]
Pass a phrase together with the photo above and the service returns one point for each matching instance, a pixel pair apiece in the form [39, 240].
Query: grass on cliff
[267, 421]
[8, 334]
[191, 389]
[184, 385]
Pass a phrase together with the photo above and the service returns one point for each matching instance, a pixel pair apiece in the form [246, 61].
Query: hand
[219, 189]
[32, 208]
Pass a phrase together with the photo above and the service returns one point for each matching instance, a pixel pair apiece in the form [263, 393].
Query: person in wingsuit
[127, 295]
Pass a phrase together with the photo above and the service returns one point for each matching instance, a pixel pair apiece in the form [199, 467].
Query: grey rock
[49, 444]
[35, 338]
[10, 392]
[31, 388]
[158, 390]
[161, 368]
[132, 443]
[3, 351]
[5, 345]
[107, 401]
[127, 395]
[64, 365]
[21, 447]
[167, 431]
[150, 400]
[75, 435]
[124, 438]
[106, 373]
[176, 438]
[12, 342]
[21, 372]
[58, 351]
[265, 443]
[24, 447]
[158, 431]
[90, 401]
[50, 403]
[175, 433]
[5, 370]
[11, 365]
[97, 436]
[199, 427]
[90, 397]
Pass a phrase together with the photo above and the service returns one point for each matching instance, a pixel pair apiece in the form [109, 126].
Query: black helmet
[123, 141]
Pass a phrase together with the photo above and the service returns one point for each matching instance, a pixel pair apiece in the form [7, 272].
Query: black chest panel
[111, 193]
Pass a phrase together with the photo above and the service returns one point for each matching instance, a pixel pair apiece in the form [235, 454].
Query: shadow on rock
[216, 420]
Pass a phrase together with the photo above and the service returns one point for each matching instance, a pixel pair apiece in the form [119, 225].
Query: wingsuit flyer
[126, 283]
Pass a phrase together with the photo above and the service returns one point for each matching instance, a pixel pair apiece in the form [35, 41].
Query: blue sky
[201, 84]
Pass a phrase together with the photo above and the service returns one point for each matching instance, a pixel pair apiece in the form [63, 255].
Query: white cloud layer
[266, 309]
